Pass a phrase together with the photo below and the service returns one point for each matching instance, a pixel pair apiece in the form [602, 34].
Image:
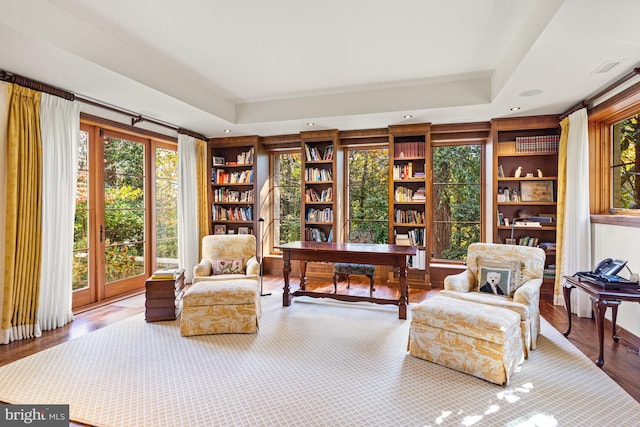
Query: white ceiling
[270, 67]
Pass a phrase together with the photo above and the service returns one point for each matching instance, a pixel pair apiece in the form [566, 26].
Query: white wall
[612, 241]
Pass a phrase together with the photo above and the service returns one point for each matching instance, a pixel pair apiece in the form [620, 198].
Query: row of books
[313, 153]
[313, 234]
[528, 241]
[537, 144]
[410, 216]
[408, 149]
[418, 260]
[404, 194]
[413, 237]
[223, 194]
[319, 215]
[220, 176]
[311, 195]
[318, 175]
[245, 158]
[407, 172]
[232, 214]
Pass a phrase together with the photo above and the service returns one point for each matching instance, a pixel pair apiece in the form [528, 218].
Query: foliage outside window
[124, 212]
[286, 197]
[166, 208]
[456, 200]
[81, 225]
[625, 169]
[368, 192]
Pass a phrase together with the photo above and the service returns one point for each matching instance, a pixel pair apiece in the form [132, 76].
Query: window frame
[601, 119]
[269, 239]
[347, 187]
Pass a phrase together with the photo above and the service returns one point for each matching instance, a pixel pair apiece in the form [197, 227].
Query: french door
[114, 228]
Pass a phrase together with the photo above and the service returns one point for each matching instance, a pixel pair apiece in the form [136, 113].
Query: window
[123, 228]
[625, 164]
[456, 200]
[614, 140]
[286, 200]
[368, 192]
[166, 207]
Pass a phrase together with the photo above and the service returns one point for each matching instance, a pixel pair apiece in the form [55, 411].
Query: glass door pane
[124, 209]
[166, 208]
[81, 226]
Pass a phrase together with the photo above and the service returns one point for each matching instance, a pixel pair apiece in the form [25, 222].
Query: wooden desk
[601, 300]
[364, 253]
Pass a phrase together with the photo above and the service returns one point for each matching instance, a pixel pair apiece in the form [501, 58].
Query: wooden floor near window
[622, 362]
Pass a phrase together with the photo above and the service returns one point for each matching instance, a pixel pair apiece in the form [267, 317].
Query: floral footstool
[221, 307]
[477, 339]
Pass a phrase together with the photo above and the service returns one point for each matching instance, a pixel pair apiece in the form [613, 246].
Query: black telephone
[609, 267]
[606, 274]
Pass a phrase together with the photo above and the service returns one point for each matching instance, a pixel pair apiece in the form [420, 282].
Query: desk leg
[566, 291]
[303, 275]
[614, 317]
[402, 281]
[286, 269]
[600, 308]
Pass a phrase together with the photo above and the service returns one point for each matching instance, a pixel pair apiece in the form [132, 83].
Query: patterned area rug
[318, 362]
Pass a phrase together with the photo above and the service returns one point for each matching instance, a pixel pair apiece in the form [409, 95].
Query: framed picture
[218, 161]
[243, 230]
[220, 229]
[536, 191]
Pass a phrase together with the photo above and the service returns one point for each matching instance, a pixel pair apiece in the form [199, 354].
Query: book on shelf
[403, 240]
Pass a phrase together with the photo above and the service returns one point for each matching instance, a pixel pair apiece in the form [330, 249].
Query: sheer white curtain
[60, 127]
[576, 249]
[188, 233]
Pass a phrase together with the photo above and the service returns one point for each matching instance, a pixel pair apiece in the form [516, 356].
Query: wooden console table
[363, 253]
[601, 300]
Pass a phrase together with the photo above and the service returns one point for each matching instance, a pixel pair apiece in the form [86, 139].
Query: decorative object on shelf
[529, 175]
[539, 172]
[514, 196]
[500, 172]
[217, 161]
[537, 191]
[518, 172]
[220, 229]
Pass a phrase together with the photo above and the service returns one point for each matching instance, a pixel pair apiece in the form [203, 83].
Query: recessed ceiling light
[407, 116]
[310, 124]
[515, 108]
[227, 131]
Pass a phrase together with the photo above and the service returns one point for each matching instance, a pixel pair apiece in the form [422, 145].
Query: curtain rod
[586, 102]
[51, 90]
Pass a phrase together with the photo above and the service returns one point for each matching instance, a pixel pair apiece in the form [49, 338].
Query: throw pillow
[228, 266]
[499, 277]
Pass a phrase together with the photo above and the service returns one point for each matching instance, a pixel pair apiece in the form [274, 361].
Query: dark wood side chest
[164, 298]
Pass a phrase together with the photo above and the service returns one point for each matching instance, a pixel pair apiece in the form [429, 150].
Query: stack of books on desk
[167, 273]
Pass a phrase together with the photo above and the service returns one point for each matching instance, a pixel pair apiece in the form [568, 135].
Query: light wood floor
[622, 362]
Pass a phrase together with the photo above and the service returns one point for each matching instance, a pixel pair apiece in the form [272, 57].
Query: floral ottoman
[221, 307]
[476, 339]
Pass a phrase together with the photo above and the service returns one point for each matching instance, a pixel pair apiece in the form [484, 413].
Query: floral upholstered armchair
[227, 257]
[507, 276]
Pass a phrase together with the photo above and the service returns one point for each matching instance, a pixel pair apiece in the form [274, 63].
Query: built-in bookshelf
[409, 218]
[234, 170]
[319, 185]
[525, 183]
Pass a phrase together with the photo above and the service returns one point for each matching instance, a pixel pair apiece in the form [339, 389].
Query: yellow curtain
[202, 186]
[23, 243]
[558, 299]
